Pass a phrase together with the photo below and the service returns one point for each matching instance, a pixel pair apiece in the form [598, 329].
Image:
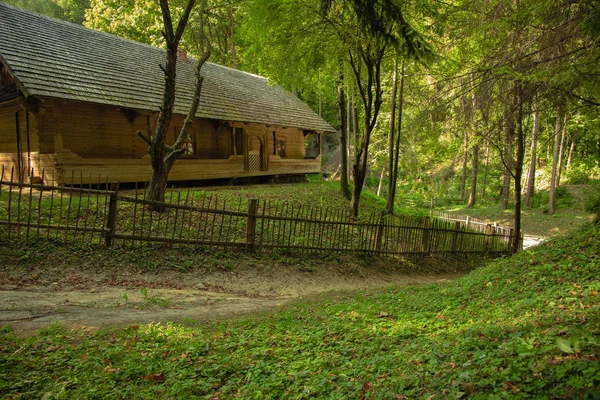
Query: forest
[438, 103]
[458, 101]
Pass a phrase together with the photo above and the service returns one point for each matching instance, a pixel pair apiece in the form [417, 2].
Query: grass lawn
[568, 216]
[523, 327]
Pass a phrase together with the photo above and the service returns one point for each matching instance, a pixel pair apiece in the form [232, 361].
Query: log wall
[19, 141]
[80, 142]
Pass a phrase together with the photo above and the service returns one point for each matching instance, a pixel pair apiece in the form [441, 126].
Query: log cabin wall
[19, 142]
[80, 143]
[92, 131]
[8, 144]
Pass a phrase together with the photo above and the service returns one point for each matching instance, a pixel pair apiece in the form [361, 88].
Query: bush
[582, 174]
[592, 201]
[562, 198]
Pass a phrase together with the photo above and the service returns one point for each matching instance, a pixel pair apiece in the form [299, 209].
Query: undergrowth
[522, 327]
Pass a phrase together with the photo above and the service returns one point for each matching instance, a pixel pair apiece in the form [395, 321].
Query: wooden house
[72, 100]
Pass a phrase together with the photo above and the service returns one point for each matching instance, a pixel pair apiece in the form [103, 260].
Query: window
[188, 144]
[238, 141]
[281, 147]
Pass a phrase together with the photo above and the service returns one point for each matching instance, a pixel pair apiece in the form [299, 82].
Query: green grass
[316, 192]
[570, 213]
[522, 327]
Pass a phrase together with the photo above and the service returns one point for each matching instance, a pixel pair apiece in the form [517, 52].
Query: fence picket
[39, 206]
[276, 225]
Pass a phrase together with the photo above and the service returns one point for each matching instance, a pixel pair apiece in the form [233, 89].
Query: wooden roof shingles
[58, 59]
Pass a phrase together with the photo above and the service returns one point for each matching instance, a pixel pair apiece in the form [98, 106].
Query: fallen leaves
[155, 378]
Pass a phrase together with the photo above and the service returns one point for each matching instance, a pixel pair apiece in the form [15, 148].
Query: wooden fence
[477, 225]
[103, 215]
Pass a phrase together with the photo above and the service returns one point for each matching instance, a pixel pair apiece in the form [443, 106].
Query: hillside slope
[523, 327]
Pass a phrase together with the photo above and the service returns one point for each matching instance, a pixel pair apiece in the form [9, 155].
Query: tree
[559, 118]
[532, 165]
[368, 29]
[68, 10]
[162, 156]
[395, 146]
[473, 193]
[391, 138]
[343, 138]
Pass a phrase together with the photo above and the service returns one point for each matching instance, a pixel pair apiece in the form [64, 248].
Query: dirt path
[29, 310]
[83, 296]
[530, 241]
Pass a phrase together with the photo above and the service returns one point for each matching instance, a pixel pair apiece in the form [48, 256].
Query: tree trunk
[508, 157]
[518, 167]
[485, 170]
[561, 151]
[394, 178]
[473, 193]
[380, 182]
[355, 127]
[371, 97]
[555, 159]
[532, 166]
[158, 181]
[463, 181]
[572, 149]
[360, 173]
[348, 139]
[343, 138]
[391, 134]
[163, 157]
[506, 176]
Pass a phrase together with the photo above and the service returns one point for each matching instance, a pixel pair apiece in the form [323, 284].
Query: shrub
[582, 174]
[562, 198]
[592, 201]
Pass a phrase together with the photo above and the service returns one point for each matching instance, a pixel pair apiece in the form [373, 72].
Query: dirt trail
[30, 310]
[79, 297]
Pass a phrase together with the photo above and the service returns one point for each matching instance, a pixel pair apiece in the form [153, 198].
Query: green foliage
[139, 20]
[592, 201]
[582, 174]
[522, 327]
[68, 10]
[562, 198]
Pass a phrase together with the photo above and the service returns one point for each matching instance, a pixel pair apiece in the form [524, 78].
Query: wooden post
[111, 219]
[251, 225]
[425, 238]
[489, 232]
[379, 237]
[467, 221]
[511, 234]
[454, 243]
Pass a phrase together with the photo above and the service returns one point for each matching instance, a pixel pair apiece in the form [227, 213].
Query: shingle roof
[53, 58]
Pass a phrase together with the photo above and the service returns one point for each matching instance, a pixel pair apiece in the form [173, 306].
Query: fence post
[379, 237]
[111, 219]
[511, 234]
[489, 236]
[425, 239]
[467, 221]
[251, 225]
[454, 244]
